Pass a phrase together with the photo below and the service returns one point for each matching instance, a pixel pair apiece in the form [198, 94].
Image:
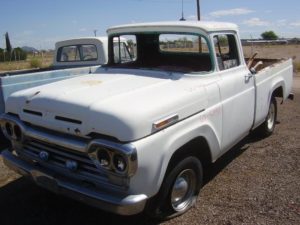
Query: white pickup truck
[134, 135]
[72, 57]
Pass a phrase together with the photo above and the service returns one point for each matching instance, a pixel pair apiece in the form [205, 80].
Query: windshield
[179, 52]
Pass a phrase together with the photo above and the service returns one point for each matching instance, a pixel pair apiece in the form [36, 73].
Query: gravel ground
[257, 182]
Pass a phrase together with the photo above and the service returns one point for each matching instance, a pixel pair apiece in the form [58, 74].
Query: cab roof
[202, 25]
[82, 40]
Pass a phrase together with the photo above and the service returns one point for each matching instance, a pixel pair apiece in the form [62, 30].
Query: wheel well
[278, 92]
[197, 147]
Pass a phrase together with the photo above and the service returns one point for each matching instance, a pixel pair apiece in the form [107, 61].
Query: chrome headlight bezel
[126, 151]
[12, 130]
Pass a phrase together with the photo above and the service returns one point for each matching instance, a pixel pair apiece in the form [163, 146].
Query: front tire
[179, 190]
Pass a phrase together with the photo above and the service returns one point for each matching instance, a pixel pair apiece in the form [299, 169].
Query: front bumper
[112, 202]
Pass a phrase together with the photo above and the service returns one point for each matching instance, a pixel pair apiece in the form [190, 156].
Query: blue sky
[40, 23]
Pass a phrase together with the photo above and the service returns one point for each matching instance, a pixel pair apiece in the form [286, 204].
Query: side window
[124, 48]
[227, 51]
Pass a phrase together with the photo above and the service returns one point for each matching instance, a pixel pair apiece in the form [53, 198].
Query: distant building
[284, 41]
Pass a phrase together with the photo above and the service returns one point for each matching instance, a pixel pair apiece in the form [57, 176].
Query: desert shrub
[35, 63]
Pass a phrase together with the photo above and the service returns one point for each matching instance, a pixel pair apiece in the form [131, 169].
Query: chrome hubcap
[271, 117]
[183, 190]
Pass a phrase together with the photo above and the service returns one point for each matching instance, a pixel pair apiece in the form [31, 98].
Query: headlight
[17, 132]
[113, 158]
[12, 131]
[9, 129]
[110, 159]
[119, 163]
[103, 157]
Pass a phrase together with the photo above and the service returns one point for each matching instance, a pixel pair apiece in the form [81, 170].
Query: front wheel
[268, 126]
[179, 190]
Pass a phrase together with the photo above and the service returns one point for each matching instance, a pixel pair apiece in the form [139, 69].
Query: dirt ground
[257, 182]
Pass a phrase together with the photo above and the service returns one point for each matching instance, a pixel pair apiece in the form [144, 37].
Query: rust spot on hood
[92, 82]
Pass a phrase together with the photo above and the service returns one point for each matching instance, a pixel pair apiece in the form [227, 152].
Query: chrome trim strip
[50, 138]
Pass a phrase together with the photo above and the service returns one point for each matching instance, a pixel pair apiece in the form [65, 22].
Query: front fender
[155, 151]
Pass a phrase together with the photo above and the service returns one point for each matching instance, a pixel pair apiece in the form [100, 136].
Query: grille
[58, 156]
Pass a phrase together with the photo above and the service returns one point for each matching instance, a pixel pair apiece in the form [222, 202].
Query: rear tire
[179, 190]
[268, 126]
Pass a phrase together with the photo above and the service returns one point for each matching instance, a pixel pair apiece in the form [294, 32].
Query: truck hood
[123, 105]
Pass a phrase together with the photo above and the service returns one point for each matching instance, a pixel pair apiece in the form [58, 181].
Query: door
[236, 89]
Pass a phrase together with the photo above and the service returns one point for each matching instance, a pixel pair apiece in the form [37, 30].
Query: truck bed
[270, 76]
[266, 62]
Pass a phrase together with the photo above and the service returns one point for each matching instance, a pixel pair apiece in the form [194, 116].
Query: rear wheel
[268, 126]
[179, 190]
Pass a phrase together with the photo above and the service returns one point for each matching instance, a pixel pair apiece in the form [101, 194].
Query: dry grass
[46, 60]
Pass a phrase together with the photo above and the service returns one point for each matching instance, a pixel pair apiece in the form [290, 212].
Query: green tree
[269, 35]
[16, 54]
[223, 40]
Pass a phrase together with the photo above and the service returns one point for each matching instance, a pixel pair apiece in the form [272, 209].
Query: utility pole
[182, 14]
[198, 9]
[199, 18]
[95, 33]
[4, 52]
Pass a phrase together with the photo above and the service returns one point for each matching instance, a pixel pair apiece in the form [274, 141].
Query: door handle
[248, 77]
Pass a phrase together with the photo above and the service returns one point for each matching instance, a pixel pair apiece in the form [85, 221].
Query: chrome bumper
[112, 202]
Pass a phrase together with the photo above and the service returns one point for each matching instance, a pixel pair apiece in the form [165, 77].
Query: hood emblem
[31, 97]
